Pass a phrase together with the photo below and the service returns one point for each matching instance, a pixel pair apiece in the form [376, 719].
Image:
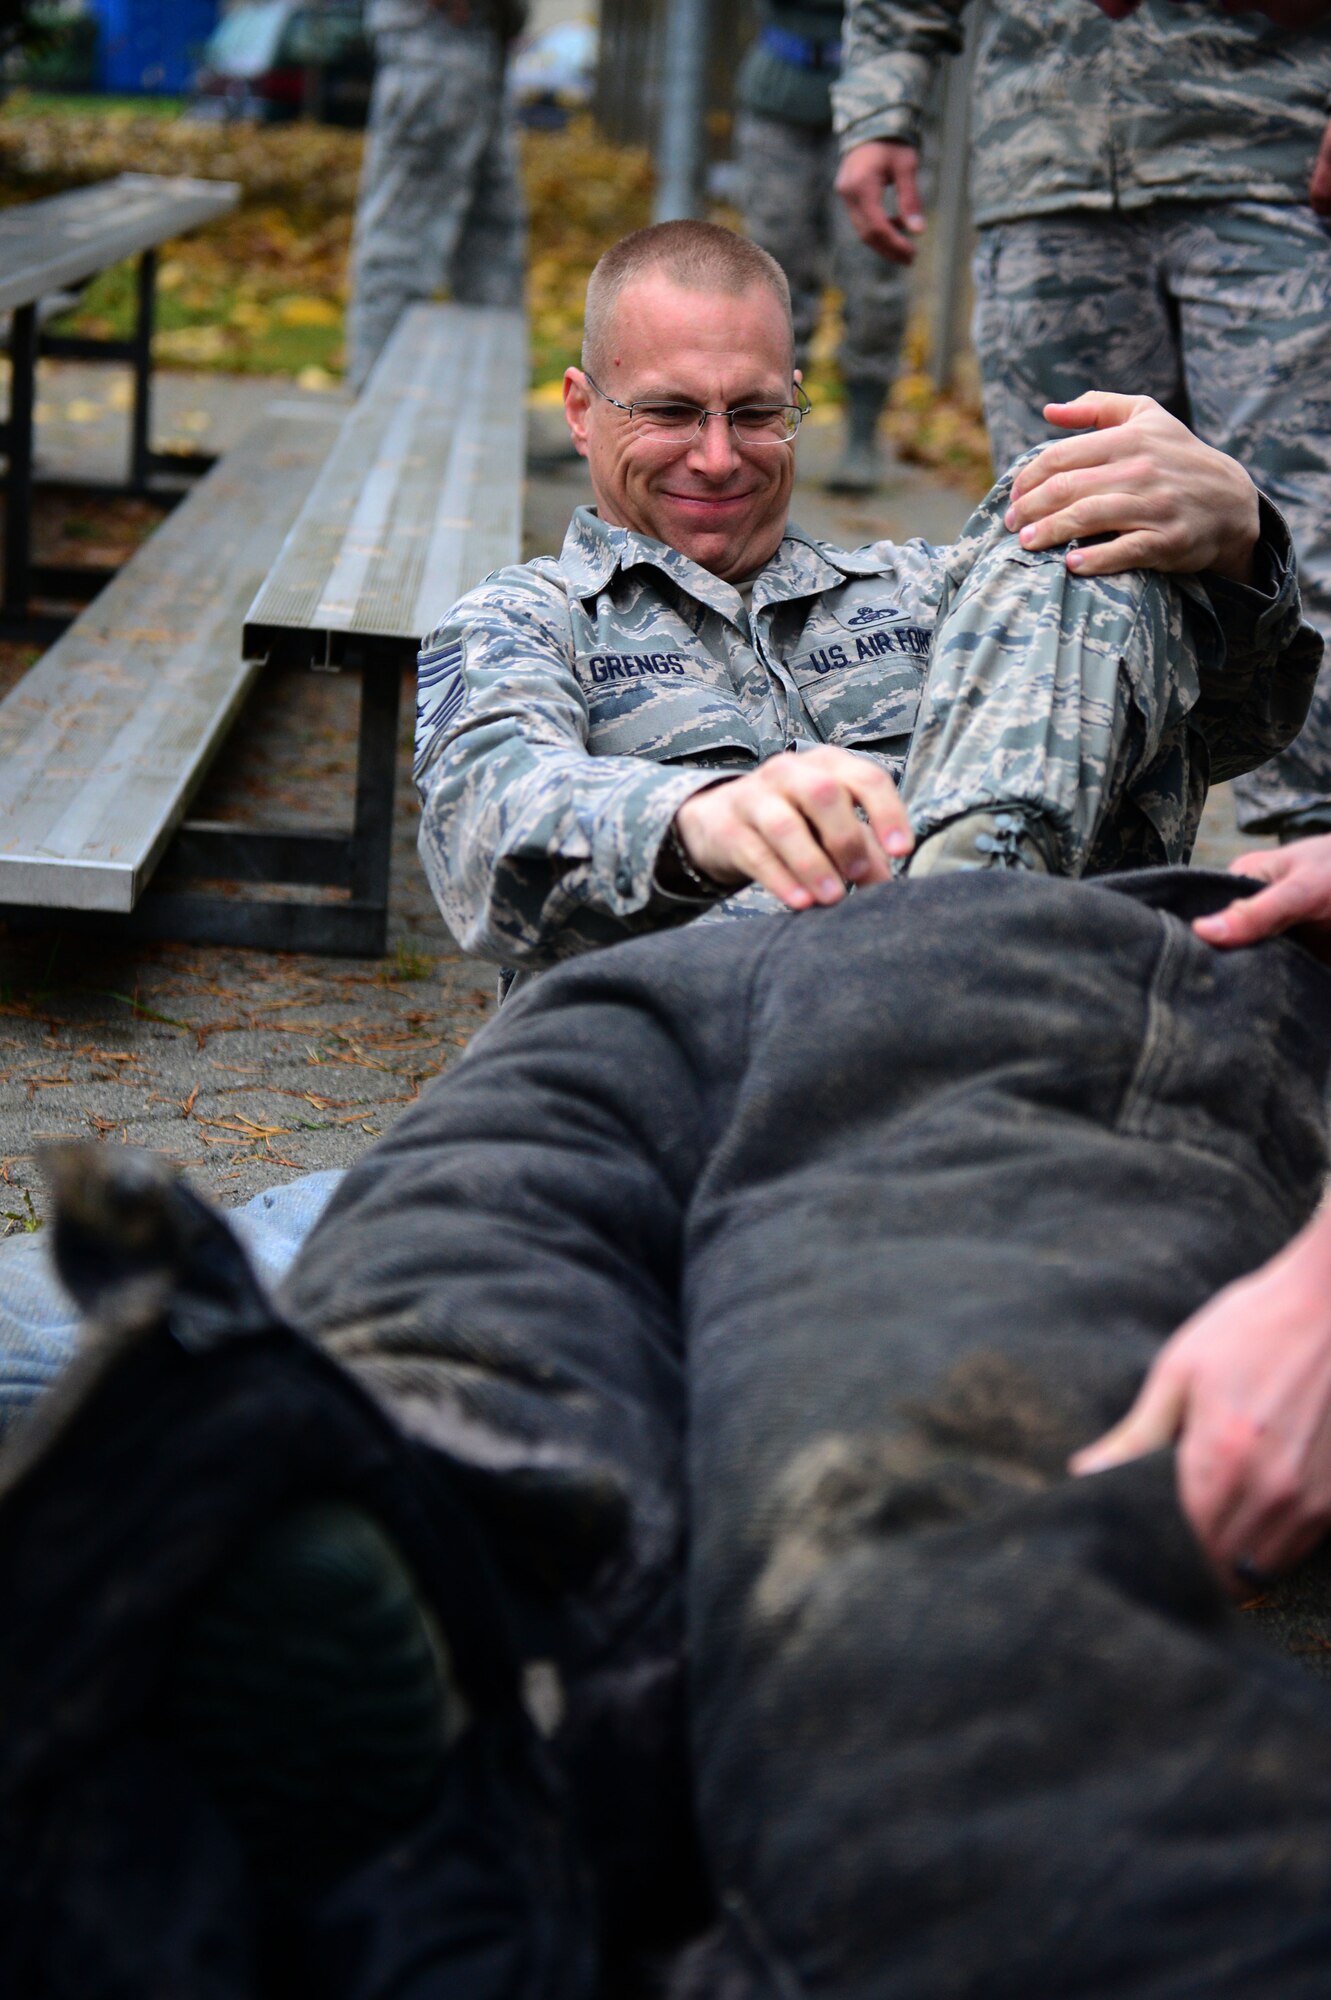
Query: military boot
[1004, 837]
[271, 1723]
[314, 1693]
[860, 467]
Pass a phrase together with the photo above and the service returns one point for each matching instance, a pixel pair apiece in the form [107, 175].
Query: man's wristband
[676, 856]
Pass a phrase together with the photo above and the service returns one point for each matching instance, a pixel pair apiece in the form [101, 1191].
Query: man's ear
[577, 403]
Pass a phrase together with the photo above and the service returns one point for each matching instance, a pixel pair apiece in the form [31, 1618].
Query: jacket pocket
[659, 704]
[858, 704]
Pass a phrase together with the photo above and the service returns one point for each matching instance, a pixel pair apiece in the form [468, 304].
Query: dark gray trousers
[712, 1340]
[826, 1241]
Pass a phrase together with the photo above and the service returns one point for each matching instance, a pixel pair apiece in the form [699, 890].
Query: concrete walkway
[245, 1067]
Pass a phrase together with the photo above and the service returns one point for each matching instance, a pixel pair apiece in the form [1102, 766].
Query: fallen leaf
[191, 343]
[308, 312]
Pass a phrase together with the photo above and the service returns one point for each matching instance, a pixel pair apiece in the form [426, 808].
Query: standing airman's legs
[790, 209]
[1253, 281]
[490, 261]
[875, 296]
[436, 105]
[1066, 303]
[782, 195]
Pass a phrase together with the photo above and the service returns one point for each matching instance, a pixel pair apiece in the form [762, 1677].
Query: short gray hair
[697, 256]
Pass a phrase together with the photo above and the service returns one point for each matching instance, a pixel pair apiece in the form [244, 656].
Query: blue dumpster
[151, 46]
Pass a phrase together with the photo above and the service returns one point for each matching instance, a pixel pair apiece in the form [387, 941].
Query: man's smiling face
[719, 501]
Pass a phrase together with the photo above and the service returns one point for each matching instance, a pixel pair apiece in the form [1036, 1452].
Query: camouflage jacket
[1072, 110]
[568, 707]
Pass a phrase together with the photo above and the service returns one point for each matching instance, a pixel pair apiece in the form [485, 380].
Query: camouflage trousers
[789, 208]
[440, 202]
[1060, 694]
[1221, 312]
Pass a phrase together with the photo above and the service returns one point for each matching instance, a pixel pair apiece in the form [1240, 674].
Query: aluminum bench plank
[106, 738]
[421, 496]
[65, 238]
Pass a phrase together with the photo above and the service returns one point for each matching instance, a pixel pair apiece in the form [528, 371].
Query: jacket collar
[801, 567]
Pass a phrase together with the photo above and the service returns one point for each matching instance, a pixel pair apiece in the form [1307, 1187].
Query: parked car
[274, 59]
[554, 73]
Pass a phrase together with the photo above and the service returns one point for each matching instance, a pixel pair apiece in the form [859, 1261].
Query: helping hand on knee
[1168, 501]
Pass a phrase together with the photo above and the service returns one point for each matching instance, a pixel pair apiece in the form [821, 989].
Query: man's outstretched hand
[1168, 501]
[793, 826]
[1297, 896]
[865, 175]
[1244, 1387]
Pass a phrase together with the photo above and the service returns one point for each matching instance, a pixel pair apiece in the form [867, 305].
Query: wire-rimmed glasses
[679, 423]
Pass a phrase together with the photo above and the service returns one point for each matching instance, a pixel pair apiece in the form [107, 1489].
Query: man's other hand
[1297, 895]
[865, 174]
[1244, 1387]
[792, 825]
[1168, 501]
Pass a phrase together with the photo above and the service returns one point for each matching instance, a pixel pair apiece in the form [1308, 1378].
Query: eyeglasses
[679, 423]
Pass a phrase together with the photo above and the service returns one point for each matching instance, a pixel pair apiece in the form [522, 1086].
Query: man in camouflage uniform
[1151, 200]
[440, 198]
[787, 159]
[694, 697]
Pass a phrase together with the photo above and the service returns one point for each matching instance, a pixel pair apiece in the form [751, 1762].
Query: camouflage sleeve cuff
[884, 98]
[1260, 618]
[628, 840]
[1258, 701]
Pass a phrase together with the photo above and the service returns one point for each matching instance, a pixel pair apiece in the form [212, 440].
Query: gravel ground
[247, 1068]
[244, 1067]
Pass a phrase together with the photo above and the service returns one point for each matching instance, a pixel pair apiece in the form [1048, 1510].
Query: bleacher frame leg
[357, 928]
[18, 485]
[376, 763]
[141, 360]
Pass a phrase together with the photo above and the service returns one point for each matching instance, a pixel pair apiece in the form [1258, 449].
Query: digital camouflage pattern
[567, 708]
[786, 176]
[1072, 110]
[440, 200]
[1142, 188]
[1223, 313]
